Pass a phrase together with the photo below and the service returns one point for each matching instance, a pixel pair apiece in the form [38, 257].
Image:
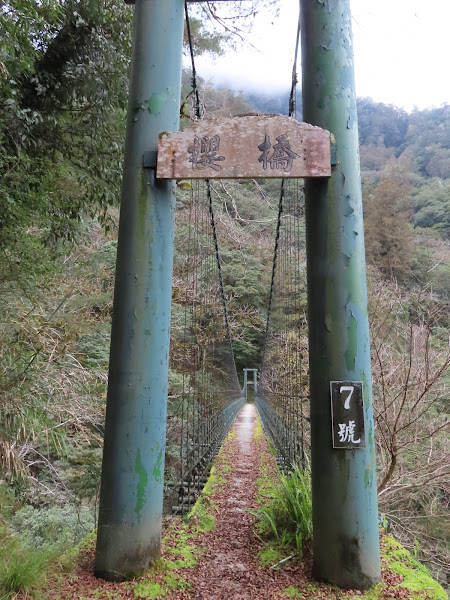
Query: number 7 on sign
[347, 388]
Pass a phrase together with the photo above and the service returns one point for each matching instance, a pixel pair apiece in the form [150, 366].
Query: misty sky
[401, 47]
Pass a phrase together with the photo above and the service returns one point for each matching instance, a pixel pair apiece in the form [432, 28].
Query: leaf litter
[213, 555]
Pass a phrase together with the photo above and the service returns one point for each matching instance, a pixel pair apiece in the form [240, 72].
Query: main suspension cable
[292, 109]
[283, 391]
[198, 113]
[293, 94]
[194, 82]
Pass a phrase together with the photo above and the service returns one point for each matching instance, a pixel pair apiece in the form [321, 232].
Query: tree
[389, 244]
[62, 94]
[410, 368]
[214, 102]
[380, 123]
[374, 157]
[203, 39]
[429, 137]
[235, 17]
[432, 207]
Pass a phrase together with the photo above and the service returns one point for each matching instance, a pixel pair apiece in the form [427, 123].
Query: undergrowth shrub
[22, 568]
[92, 349]
[54, 528]
[287, 516]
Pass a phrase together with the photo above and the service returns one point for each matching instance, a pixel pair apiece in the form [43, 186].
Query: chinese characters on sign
[347, 411]
[203, 153]
[347, 432]
[245, 147]
[282, 156]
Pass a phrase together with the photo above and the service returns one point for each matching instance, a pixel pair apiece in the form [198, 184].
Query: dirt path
[231, 567]
[211, 563]
[215, 554]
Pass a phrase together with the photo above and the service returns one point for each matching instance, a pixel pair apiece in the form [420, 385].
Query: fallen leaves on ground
[226, 565]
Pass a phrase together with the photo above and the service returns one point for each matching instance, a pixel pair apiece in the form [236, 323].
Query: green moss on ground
[404, 576]
[151, 589]
[415, 581]
[416, 576]
[269, 556]
[180, 550]
[258, 432]
[70, 559]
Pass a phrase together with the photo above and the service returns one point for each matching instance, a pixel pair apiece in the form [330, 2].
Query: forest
[63, 94]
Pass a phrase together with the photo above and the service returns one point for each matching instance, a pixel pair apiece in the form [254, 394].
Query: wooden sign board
[247, 147]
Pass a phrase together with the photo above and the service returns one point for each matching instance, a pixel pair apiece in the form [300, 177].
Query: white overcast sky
[401, 47]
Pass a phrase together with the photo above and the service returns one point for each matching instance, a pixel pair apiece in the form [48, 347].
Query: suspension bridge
[202, 347]
[314, 392]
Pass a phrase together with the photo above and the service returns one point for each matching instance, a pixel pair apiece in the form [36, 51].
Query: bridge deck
[230, 567]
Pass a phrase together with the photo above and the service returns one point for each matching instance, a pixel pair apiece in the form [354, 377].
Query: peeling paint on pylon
[142, 483]
[129, 528]
[345, 517]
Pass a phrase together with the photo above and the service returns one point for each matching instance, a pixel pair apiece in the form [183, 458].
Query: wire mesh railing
[283, 391]
[204, 393]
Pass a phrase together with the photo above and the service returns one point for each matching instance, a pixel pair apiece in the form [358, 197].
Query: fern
[287, 517]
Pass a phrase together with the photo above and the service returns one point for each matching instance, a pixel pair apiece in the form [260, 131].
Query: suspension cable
[219, 267]
[293, 94]
[198, 113]
[283, 388]
[274, 269]
[194, 82]
[292, 109]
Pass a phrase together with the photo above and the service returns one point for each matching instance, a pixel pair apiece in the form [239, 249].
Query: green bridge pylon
[345, 517]
[246, 382]
[131, 499]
